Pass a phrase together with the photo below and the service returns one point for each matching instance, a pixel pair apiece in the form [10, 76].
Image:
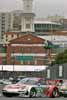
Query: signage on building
[23, 58]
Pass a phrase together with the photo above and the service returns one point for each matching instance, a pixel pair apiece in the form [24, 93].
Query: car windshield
[31, 81]
[64, 82]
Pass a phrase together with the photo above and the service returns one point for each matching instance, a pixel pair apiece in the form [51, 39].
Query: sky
[42, 8]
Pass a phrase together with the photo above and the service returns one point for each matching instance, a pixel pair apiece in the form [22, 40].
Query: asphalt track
[4, 98]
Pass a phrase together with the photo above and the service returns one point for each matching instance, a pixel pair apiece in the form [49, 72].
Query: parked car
[5, 81]
[17, 79]
[31, 87]
[1, 81]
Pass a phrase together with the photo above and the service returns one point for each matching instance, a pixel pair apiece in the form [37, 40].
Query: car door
[42, 87]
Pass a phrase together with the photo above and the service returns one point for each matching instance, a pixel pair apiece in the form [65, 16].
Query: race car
[31, 87]
[63, 88]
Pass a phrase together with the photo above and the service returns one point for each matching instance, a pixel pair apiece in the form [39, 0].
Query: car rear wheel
[32, 93]
[55, 93]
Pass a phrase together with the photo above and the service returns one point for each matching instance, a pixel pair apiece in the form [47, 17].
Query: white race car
[31, 87]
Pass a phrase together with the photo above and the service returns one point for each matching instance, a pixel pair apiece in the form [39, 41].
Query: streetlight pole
[2, 71]
[2, 65]
[13, 62]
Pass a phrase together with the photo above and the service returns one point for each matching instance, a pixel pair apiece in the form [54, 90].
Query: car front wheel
[32, 93]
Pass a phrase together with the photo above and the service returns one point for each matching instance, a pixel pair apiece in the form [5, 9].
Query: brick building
[27, 50]
[2, 54]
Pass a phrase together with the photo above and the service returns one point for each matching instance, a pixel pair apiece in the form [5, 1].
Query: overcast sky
[41, 7]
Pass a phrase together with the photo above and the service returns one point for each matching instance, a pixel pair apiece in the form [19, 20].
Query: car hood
[15, 86]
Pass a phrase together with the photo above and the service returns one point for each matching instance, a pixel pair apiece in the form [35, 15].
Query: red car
[31, 87]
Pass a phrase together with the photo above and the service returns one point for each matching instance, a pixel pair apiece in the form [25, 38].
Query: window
[6, 36]
[42, 82]
[12, 60]
[4, 62]
[3, 30]
[27, 6]
[27, 18]
[6, 39]
[22, 62]
[22, 50]
[35, 62]
[28, 49]
[28, 26]
[1, 37]
[28, 62]
[3, 24]
[3, 14]
[35, 50]
[2, 49]
[12, 50]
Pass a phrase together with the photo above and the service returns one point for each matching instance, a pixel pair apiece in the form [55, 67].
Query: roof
[60, 33]
[44, 33]
[28, 39]
[46, 22]
[12, 33]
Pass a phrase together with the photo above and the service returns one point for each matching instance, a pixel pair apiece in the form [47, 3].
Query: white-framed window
[27, 19]
[22, 62]
[35, 62]
[28, 49]
[60, 71]
[35, 50]
[28, 26]
[28, 62]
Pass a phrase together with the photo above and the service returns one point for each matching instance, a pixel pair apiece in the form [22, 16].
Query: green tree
[61, 58]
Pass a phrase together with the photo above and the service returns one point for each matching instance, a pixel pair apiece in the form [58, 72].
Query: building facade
[16, 17]
[42, 26]
[55, 18]
[8, 36]
[27, 50]
[3, 54]
[64, 22]
[12, 21]
[27, 20]
[5, 20]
